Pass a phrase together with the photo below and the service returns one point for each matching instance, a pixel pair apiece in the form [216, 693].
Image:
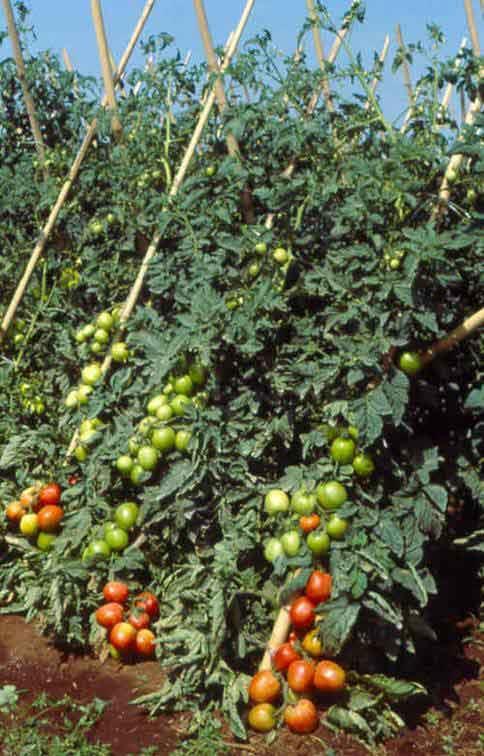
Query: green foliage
[289, 351]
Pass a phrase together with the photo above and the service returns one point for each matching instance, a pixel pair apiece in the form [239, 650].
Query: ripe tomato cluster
[159, 432]
[127, 623]
[37, 513]
[300, 661]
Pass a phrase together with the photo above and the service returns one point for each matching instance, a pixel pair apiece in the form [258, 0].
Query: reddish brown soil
[452, 726]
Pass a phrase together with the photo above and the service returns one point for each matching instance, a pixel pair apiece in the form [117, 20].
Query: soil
[453, 724]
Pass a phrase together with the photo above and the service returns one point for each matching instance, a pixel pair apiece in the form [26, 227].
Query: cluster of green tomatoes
[162, 430]
[31, 401]
[261, 258]
[311, 513]
[113, 536]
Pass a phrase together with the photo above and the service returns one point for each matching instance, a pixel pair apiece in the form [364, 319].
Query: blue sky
[68, 24]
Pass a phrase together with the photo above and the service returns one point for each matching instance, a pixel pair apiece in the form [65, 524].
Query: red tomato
[264, 687]
[73, 479]
[307, 523]
[285, 654]
[300, 676]
[318, 587]
[122, 636]
[302, 717]
[116, 591]
[148, 603]
[109, 615]
[50, 494]
[49, 518]
[139, 620]
[329, 677]
[145, 642]
[302, 613]
[15, 511]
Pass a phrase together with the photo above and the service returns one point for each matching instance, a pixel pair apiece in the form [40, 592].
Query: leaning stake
[29, 103]
[73, 173]
[107, 72]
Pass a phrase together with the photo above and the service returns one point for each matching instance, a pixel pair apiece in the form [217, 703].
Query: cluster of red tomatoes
[128, 624]
[37, 513]
[300, 660]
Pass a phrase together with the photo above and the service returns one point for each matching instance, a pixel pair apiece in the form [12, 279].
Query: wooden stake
[318, 46]
[471, 23]
[67, 61]
[454, 163]
[54, 213]
[175, 187]
[213, 65]
[279, 634]
[381, 59]
[405, 67]
[467, 328]
[29, 102]
[102, 44]
[449, 88]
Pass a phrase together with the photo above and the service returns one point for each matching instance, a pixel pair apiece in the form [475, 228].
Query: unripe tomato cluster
[162, 430]
[37, 514]
[96, 338]
[300, 661]
[113, 536]
[32, 401]
[276, 259]
[127, 623]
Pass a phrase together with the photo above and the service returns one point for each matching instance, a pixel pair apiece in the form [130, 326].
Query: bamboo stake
[67, 61]
[318, 46]
[113, 69]
[381, 60]
[107, 73]
[288, 172]
[465, 329]
[54, 213]
[177, 182]
[213, 65]
[22, 75]
[450, 87]
[280, 631]
[405, 67]
[455, 162]
[471, 23]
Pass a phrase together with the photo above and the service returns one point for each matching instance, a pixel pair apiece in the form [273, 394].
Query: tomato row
[38, 513]
[128, 626]
[296, 660]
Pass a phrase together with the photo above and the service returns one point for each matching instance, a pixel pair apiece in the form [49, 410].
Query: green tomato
[110, 219]
[124, 464]
[336, 527]
[148, 458]
[280, 255]
[91, 374]
[302, 503]
[331, 495]
[179, 404]
[210, 171]
[117, 539]
[96, 347]
[133, 446]
[363, 465]
[182, 439]
[291, 542]
[98, 551]
[80, 453]
[137, 474]
[146, 425]
[318, 542]
[71, 400]
[83, 393]
[80, 336]
[198, 374]
[254, 270]
[155, 403]
[471, 196]
[168, 388]
[45, 541]
[119, 351]
[163, 439]
[261, 248]
[184, 385]
[353, 432]
[451, 175]
[343, 450]
[101, 336]
[89, 330]
[126, 515]
[410, 363]
[276, 501]
[96, 228]
[273, 549]
[105, 321]
[164, 412]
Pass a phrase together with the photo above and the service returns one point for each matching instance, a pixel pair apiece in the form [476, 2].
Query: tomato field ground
[241, 396]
